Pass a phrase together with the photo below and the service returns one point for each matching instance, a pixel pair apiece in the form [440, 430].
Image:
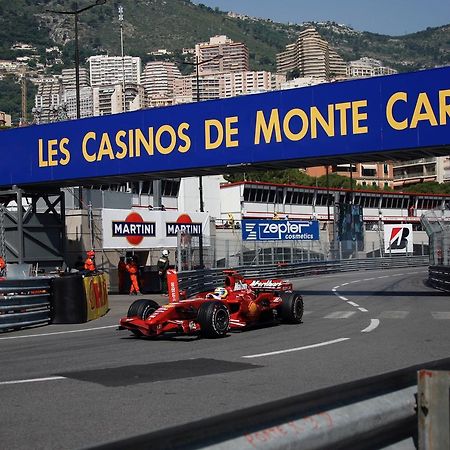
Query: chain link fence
[438, 231]
[226, 248]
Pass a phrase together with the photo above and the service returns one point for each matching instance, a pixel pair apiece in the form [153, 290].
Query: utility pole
[23, 88]
[123, 57]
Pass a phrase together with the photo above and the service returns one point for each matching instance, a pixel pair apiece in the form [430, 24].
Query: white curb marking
[373, 324]
[289, 350]
[32, 380]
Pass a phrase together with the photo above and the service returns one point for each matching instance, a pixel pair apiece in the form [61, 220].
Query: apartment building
[223, 55]
[69, 78]
[190, 89]
[107, 100]
[311, 56]
[110, 70]
[368, 67]
[370, 174]
[48, 101]
[158, 78]
[5, 119]
[249, 82]
[422, 170]
[69, 99]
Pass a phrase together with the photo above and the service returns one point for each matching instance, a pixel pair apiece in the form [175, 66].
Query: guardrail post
[434, 409]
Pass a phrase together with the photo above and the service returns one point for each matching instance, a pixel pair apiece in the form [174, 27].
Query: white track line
[32, 380]
[353, 304]
[57, 333]
[289, 350]
[363, 309]
[373, 324]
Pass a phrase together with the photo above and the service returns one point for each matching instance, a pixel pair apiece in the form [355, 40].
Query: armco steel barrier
[439, 277]
[25, 302]
[204, 280]
[365, 414]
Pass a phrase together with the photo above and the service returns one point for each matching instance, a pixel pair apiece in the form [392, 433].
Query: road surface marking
[289, 350]
[393, 314]
[373, 324]
[444, 315]
[340, 315]
[363, 309]
[32, 380]
[343, 298]
[353, 304]
[57, 333]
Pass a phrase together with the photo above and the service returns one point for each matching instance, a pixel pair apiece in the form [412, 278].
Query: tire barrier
[205, 280]
[25, 303]
[439, 277]
[376, 412]
[79, 298]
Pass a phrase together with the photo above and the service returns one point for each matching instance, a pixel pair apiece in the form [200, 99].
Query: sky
[390, 17]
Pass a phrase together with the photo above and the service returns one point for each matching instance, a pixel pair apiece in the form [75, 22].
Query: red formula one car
[239, 304]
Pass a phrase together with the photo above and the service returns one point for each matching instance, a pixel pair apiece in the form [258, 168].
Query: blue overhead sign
[406, 111]
[280, 230]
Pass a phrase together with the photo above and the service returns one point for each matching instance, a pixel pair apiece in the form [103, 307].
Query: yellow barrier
[96, 291]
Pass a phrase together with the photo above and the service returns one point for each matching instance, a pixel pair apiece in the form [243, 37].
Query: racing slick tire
[142, 308]
[214, 319]
[291, 309]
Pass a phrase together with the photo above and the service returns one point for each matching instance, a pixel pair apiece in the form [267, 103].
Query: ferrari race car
[239, 304]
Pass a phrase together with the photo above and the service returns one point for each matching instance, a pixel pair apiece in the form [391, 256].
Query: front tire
[142, 308]
[214, 319]
[291, 310]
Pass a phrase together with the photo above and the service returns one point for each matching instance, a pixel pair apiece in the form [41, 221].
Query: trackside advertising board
[398, 238]
[280, 230]
[379, 114]
[143, 229]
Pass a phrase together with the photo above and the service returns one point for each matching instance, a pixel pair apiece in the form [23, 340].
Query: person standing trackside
[89, 263]
[133, 269]
[162, 266]
[121, 273]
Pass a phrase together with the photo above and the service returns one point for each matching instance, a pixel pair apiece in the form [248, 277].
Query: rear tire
[214, 319]
[142, 308]
[291, 309]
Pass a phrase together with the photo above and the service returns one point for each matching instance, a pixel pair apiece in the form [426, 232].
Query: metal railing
[439, 277]
[372, 413]
[24, 303]
[204, 280]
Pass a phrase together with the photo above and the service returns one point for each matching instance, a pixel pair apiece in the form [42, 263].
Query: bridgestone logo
[193, 229]
[133, 229]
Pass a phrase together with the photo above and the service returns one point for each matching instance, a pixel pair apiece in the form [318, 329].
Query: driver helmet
[221, 292]
[165, 252]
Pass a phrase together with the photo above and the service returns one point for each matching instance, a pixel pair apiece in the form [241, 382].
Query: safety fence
[73, 298]
[439, 277]
[25, 302]
[204, 280]
[372, 413]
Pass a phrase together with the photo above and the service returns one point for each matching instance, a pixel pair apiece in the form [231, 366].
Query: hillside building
[110, 70]
[48, 101]
[422, 170]
[311, 56]
[226, 56]
[69, 78]
[158, 79]
[369, 174]
[368, 67]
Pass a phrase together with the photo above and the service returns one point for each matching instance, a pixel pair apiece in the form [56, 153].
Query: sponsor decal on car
[266, 284]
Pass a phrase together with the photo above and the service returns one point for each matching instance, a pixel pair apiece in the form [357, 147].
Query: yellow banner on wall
[96, 292]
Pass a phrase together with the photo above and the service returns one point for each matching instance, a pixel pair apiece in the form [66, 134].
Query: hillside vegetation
[175, 24]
